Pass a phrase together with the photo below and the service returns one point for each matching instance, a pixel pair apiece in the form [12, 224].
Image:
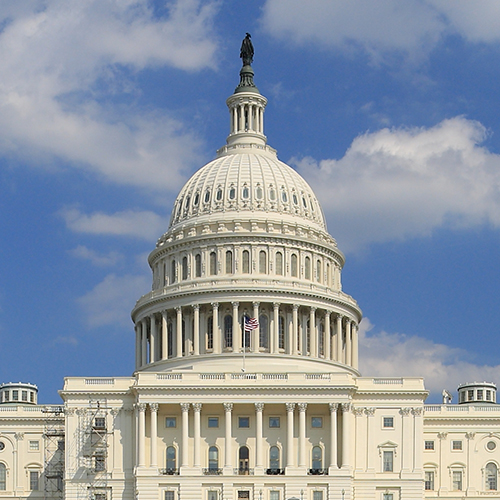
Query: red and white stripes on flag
[251, 324]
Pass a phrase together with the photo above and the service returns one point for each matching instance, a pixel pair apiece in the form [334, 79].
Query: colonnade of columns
[247, 117]
[289, 329]
[294, 455]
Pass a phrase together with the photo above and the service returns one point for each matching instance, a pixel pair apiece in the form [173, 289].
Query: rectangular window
[388, 461]
[457, 445]
[274, 495]
[243, 422]
[317, 423]
[429, 480]
[99, 463]
[479, 394]
[470, 395]
[99, 496]
[488, 395]
[429, 445]
[170, 422]
[457, 480]
[212, 495]
[213, 422]
[462, 397]
[274, 422]
[15, 395]
[24, 395]
[317, 495]
[243, 495]
[34, 480]
[169, 495]
[6, 393]
[388, 422]
[100, 423]
[388, 496]
[32, 397]
[34, 445]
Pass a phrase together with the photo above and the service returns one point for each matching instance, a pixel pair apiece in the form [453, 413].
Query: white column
[419, 439]
[197, 434]
[153, 408]
[259, 408]
[360, 429]
[289, 332]
[354, 335]
[137, 346]
[370, 434]
[407, 441]
[152, 340]
[196, 329]
[141, 433]
[215, 328]
[313, 333]
[346, 435]
[333, 435]
[302, 434]
[144, 343]
[164, 333]
[250, 117]
[178, 325]
[295, 328]
[276, 329]
[328, 336]
[236, 328]
[348, 343]
[339, 339]
[228, 442]
[185, 434]
[255, 333]
[290, 462]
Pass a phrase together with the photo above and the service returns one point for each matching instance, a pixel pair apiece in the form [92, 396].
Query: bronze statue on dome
[246, 51]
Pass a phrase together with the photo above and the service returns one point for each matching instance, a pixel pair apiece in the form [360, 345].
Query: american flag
[251, 324]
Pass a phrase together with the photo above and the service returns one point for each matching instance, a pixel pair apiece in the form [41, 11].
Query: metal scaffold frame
[54, 439]
[94, 427]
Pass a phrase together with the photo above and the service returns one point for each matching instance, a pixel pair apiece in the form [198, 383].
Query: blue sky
[389, 109]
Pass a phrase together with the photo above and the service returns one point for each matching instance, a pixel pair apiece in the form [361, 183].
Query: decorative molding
[184, 407]
[358, 411]
[417, 412]
[470, 435]
[370, 411]
[333, 407]
[290, 407]
[228, 407]
[345, 407]
[140, 407]
[404, 412]
[196, 407]
[302, 407]
[259, 407]
[442, 435]
[154, 407]
[19, 436]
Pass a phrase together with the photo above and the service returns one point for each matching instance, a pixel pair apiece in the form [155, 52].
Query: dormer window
[295, 199]
[272, 194]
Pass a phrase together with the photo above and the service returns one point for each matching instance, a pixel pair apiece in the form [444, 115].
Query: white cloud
[397, 355]
[401, 183]
[53, 52]
[101, 260]
[412, 27]
[143, 224]
[109, 303]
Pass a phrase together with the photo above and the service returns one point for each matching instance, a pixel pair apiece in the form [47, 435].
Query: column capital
[370, 411]
[196, 407]
[345, 407]
[404, 411]
[154, 407]
[302, 407]
[114, 411]
[276, 305]
[327, 313]
[178, 309]
[312, 309]
[333, 407]
[228, 407]
[255, 304]
[215, 305]
[19, 436]
[470, 435]
[290, 406]
[141, 407]
[442, 435]
[417, 412]
[235, 304]
[184, 407]
[196, 307]
[259, 407]
[164, 313]
[340, 317]
[358, 411]
[295, 307]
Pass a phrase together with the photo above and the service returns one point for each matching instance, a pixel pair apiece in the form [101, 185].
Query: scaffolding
[54, 453]
[94, 427]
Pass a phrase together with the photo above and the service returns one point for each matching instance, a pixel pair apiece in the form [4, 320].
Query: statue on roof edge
[246, 51]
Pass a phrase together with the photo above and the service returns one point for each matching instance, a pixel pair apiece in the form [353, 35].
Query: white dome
[246, 179]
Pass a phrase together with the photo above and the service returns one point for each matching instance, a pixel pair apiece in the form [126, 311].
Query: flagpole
[244, 345]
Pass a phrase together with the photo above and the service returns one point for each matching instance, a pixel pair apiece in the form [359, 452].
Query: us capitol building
[246, 382]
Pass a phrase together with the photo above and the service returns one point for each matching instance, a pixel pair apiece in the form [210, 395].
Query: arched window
[245, 194]
[184, 268]
[232, 193]
[262, 262]
[246, 262]
[197, 265]
[294, 265]
[281, 333]
[259, 193]
[228, 331]
[171, 460]
[321, 339]
[245, 336]
[491, 476]
[210, 332]
[3, 477]
[172, 271]
[274, 459]
[317, 458]
[307, 268]
[213, 263]
[229, 262]
[318, 271]
[213, 458]
[243, 461]
[279, 263]
[218, 195]
[207, 196]
[328, 277]
[263, 331]
[170, 339]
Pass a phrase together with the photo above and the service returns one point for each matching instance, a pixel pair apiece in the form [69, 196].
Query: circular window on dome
[232, 193]
[196, 199]
[2, 446]
[218, 195]
[491, 445]
[284, 196]
[259, 193]
[207, 196]
[245, 193]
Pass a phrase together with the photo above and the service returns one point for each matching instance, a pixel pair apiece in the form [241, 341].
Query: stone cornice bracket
[184, 407]
[333, 407]
[290, 406]
[470, 435]
[154, 407]
[404, 411]
[302, 407]
[417, 412]
[259, 407]
[370, 411]
[228, 407]
[140, 406]
[196, 407]
[442, 435]
[345, 407]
